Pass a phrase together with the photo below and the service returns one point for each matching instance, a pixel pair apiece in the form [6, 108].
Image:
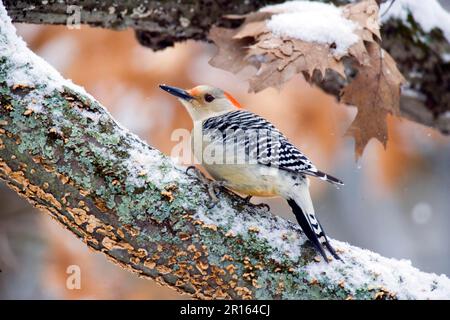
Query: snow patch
[281, 236]
[35, 106]
[26, 68]
[94, 116]
[144, 163]
[429, 14]
[362, 269]
[141, 164]
[313, 22]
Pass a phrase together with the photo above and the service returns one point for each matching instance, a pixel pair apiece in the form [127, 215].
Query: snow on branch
[428, 14]
[63, 152]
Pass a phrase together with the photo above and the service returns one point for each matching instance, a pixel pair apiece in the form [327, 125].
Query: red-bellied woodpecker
[247, 154]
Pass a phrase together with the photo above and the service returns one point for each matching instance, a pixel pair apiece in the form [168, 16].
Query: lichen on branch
[63, 152]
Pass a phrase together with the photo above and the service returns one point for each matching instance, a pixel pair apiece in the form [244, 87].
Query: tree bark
[62, 151]
[159, 24]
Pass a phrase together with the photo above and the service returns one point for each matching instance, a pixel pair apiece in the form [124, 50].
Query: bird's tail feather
[324, 176]
[312, 229]
[328, 244]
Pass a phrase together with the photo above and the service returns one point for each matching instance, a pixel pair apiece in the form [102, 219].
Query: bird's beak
[177, 92]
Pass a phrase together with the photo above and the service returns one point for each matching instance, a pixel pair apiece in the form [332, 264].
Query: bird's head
[203, 101]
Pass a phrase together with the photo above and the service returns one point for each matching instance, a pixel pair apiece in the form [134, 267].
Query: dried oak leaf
[375, 91]
[276, 59]
[230, 53]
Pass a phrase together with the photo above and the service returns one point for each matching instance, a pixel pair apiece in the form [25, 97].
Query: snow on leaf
[297, 37]
[376, 92]
[315, 23]
[310, 39]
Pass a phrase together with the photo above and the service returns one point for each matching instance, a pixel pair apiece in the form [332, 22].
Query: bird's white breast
[228, 163]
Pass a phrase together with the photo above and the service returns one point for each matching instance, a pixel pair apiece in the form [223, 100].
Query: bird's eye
[209, 98]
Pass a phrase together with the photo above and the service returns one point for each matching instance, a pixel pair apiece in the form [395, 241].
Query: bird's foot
[247, 200]
[263, 206]
[214, 187]
[197, 173]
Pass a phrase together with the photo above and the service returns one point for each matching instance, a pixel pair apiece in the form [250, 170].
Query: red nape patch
[232, 100]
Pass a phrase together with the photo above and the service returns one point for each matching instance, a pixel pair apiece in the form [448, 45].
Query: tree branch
[159, 24]
[62, 151]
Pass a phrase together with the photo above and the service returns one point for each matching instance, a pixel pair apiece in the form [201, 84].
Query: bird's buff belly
[253, 180]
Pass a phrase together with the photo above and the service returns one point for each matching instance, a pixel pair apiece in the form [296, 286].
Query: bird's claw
[263, 206]
[213, 190]
[190, 168]
[197, 173]
[247, 200]
[212, 185]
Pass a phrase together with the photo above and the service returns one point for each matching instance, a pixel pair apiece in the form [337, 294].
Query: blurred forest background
[395, 201]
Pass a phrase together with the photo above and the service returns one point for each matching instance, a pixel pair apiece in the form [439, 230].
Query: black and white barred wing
[244, 134]
[255, 140]
[291, 159]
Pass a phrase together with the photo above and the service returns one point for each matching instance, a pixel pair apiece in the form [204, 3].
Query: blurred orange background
[395, 201]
